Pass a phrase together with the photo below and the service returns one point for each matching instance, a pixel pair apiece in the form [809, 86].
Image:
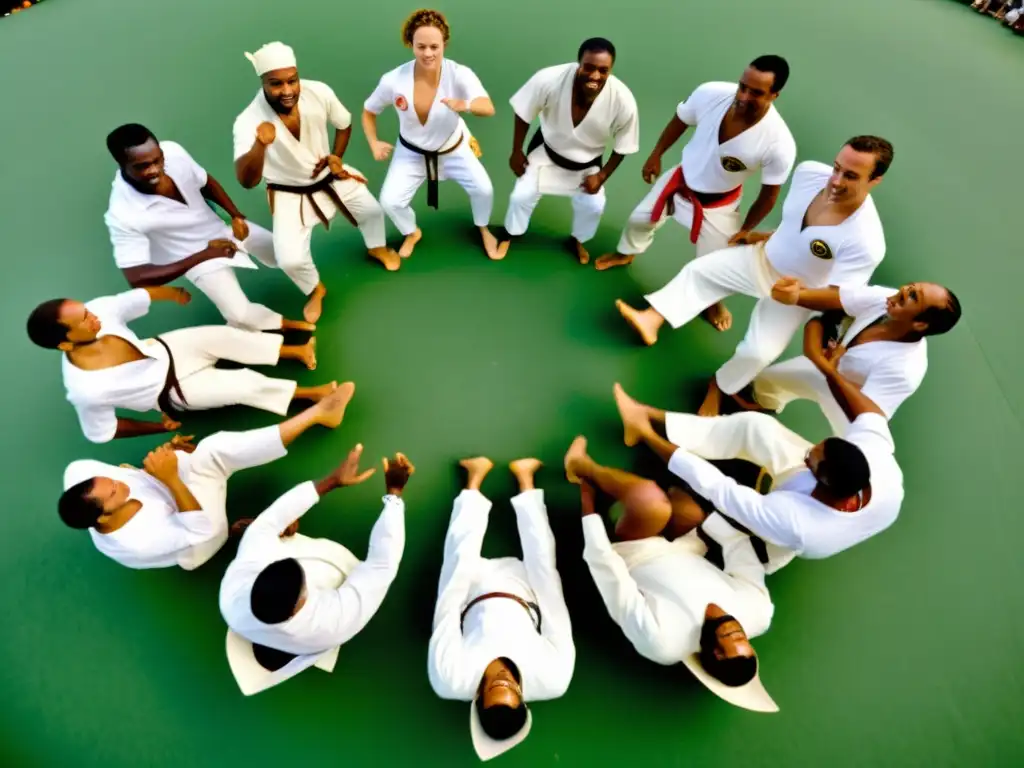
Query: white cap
[272, 56]
[252, 677]
[488, 748]
[751, 695]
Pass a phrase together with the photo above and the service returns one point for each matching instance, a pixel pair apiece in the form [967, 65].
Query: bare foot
[391, 260]
[718, 316]
[577, 453]
[315, 394]
[315, 306]
[577, 248]
[332, 407]
[490, 243]
[502, 250]
[712, 404]
[525, 469]
[646, 322]
[309, 354]
[477, 469]
[409, 244]
[297, 325]
[610, 260]
[634, 416]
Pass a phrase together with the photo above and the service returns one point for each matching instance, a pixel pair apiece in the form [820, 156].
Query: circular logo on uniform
[401, 103]
[733, 164]
[820, 249]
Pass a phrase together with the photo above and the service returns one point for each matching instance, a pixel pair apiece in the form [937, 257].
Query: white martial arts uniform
[464, 642]
[444, 133]
[289, 162]
[790, 521]
[159, 536]
[887, 372]
[137, 385]
[712, 168]
[612, 118]
[331, 616]
[153, 229]
[843, 255]
[657, 590]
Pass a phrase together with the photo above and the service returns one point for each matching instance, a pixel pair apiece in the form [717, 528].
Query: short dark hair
[501, 722]
[596, 45]
[276, 591]
[843, 470]
[44, 326]
[879, 147]
[733, 671]
[777, 65]
[77, 508]
[942, 319]
[124, 137]
[271, 659]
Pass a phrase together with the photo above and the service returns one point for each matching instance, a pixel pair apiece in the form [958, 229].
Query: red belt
[677, 186]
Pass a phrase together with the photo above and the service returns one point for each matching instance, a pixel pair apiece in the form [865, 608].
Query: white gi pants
[719, 223]
[408, 171]
[196, 352]
[295, 219]
[705, 281]
[586, 208]
[799, 379]
[222, 288]
[206, 471]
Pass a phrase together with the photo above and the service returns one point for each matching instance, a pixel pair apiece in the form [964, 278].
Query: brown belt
[530, 608]
[326, 186]
[172, 384]
[430, 158]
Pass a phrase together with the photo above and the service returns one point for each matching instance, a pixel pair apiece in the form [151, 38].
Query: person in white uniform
[162, 227]
[696, 598]
[287, 608]
[105, 366]
[501, 632]
[281, 137]
[825, 498]
[737, 132]
[173, 511]
[830, 234]
[430, 94]
[582, 108]
[883, 349]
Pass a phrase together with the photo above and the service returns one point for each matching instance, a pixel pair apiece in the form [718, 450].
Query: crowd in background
[1007, 12]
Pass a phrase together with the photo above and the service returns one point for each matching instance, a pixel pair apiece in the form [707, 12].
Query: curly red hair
[425, 17]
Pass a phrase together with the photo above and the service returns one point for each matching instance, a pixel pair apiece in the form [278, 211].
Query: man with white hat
[282, 137]
[695, 599]
[291, 603]
[502, 635]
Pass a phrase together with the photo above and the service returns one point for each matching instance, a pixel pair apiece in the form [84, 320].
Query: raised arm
[848, 395]
[249, 163]
[215, 193]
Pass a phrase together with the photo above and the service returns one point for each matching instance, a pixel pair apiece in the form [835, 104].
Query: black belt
[715, 555]
[559, 160]
[172, 384]
[531, 608]
[431, 160]
[325, 185]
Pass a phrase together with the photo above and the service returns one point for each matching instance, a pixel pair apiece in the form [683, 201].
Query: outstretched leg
[476, 471]
[524, 470]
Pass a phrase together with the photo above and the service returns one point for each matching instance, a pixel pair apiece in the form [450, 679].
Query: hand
[456, 105]
[162, 463]
[291, 530]
[833, 353]
[266, 133]
[221, 249]
[339, 172]
[652, 169]
[240, 228]
[380, 149]
[183, 443]
[518, 162]
[586, 498]
[182, 297]
[592, 184]
[348, 473]
[397, 473]
[787, 290]
[743, 237]
[168, 423]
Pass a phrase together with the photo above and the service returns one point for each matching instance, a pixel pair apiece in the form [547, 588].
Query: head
[278, 592]
[281, 89]
[839, 466]
[499, 702]
[137, 153]
[92, 502]
[427, 33]
[725, 652]
[61, 324]
[596, 57]
[924, 309]
[760, 85]
[858, 169]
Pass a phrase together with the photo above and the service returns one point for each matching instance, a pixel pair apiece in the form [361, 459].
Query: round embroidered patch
[401, 103]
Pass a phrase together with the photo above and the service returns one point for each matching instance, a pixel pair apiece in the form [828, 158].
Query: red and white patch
[401, 103]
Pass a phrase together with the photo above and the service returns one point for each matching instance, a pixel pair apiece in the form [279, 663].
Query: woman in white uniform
[430, 93]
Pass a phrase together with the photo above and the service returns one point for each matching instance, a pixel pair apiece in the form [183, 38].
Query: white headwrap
[272, 56]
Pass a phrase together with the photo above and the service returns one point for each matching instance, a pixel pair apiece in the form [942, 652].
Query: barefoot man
[695, 599]
[285, 605]
[173, 511]
[737, 132]
[582, 108]
[830, 235]
[162, 228]
[106, 366]
[502, 635]
[282, 137]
